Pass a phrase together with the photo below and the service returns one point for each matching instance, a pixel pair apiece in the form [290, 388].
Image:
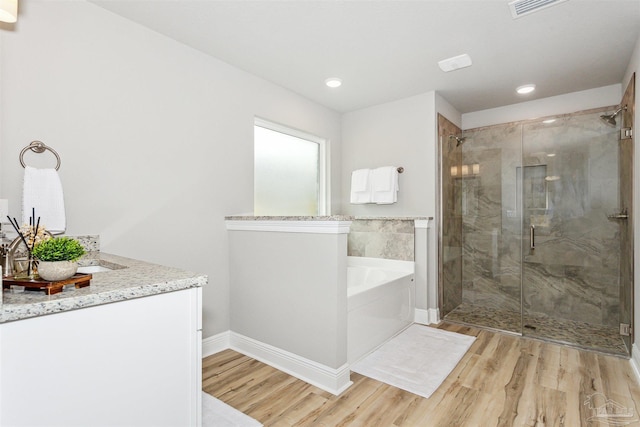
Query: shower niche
[528, 244]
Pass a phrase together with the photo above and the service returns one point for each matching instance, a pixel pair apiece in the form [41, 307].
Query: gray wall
[156, 138]
[290, 291]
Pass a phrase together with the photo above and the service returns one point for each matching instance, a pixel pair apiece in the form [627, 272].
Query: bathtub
[380, 302]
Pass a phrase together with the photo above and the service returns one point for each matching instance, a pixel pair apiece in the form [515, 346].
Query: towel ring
[38, 147]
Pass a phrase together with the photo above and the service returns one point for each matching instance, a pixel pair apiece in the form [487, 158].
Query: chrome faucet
[8, 252]
[7, 259]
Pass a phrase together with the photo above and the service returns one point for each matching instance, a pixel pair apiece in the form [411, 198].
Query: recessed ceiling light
[333, 82]
[524, 89]
[546, 122]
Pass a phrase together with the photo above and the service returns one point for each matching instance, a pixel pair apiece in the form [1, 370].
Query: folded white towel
[361, 186]
[384, 185]
[360, 180]
[42, 191]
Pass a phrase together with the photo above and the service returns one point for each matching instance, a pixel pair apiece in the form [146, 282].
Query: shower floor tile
[502, 320]
[605, 339]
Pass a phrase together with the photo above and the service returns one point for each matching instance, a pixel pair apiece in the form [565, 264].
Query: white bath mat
[417, 360]
[216, 413]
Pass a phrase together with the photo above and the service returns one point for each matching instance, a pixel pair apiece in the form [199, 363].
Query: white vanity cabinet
[135, 362]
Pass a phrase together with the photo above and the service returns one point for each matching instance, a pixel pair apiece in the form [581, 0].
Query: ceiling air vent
[524, 7]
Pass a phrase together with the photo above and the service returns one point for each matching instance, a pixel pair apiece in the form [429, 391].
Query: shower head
[459, 139]
[610, 119]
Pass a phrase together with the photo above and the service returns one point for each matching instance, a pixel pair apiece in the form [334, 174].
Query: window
[289, 172]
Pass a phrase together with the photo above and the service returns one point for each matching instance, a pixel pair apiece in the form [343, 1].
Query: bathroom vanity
[125, 350]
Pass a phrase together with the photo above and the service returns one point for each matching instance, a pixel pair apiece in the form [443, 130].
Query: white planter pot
[57, 270]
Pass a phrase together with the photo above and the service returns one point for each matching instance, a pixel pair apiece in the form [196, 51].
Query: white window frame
[324, 196]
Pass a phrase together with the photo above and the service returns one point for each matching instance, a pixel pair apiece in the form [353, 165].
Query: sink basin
[93, 269]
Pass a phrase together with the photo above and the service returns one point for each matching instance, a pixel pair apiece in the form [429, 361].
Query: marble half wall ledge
[290, 224]
[333, 224]
[323, 218]
[288, 218]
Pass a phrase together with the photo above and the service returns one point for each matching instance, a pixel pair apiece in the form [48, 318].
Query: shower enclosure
[535, 229]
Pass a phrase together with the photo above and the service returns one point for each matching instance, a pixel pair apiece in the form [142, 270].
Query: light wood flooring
[503, 380]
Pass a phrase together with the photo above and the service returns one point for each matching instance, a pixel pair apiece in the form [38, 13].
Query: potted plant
[58, 258]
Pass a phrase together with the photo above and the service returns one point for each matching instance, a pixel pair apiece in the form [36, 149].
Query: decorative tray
[80, 280]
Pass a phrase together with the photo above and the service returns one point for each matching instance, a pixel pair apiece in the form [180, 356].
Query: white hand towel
[384, 185]
[361, 186]
[42, 190]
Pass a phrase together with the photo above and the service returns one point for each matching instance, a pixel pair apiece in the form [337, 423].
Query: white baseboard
[335, 381]
[421, 316]
[427, 317]
[434, 315]
[216, 343]
[635, 360]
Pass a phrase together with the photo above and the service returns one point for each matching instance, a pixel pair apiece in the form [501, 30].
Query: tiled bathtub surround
[382, 238]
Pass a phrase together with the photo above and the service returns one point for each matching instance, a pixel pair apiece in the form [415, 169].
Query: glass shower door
[570, 246]
[481, 227]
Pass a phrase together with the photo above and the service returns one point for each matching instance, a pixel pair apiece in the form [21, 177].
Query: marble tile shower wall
[450, 274]
[491, 228]
[382, 238]
[574, 271]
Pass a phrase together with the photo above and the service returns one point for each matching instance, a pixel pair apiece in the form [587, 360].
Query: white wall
[156, 138]
[561, 104]
[448, 111]
[400, 133]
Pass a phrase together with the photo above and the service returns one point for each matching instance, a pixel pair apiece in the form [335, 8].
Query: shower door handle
[532, 236]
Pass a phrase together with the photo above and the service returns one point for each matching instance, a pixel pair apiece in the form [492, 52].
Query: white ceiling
[389, 49]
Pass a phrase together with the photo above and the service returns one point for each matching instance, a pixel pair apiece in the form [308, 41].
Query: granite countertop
[128, 279]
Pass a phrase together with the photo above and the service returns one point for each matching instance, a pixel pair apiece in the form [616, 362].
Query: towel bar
[38, 147]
